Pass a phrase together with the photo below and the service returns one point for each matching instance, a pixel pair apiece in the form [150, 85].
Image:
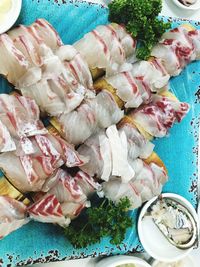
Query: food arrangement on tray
[104, 107]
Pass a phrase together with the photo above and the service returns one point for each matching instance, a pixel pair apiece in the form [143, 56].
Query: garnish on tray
[105, 219]
[140, 19]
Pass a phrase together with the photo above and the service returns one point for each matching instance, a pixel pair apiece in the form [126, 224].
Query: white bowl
[154, 242]
[11, 16]
[118, 260]
[188, 262]
[193, 7]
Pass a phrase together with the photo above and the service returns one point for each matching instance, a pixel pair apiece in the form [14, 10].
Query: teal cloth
[37, 242]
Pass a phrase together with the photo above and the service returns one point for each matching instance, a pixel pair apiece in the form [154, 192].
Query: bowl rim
[193, 7]
[114, 261]
[154, 262]
[5, 26]
[182, 201]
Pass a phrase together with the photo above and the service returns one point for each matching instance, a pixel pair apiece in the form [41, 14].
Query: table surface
[169, 9]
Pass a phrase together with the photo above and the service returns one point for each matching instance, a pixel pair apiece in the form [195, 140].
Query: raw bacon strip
[48, 210]
[146, 184]
[13, 63]
[12, 215]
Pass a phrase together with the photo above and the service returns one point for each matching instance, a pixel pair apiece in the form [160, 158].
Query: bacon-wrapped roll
[147, 183]
[106, 49]
[47, 153]
[13, 215]
[157, 117]
[177, 48]
[92, 114]
[67, 198]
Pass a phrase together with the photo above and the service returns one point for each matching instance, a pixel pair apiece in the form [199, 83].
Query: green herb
[105, 220]
[140, 19]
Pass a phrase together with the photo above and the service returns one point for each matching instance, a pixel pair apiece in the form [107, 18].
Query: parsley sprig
[140, 19]
[105, 220]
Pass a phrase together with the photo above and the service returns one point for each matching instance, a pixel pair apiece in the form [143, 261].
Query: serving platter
[37, 242]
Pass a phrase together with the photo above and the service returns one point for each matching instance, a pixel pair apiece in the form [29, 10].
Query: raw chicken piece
[12, 215]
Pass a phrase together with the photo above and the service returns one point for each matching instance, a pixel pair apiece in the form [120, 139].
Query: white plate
[11, 16]
[118, 260]
[154, 242]
[194, 7]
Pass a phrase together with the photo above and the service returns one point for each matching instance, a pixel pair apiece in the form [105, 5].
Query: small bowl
[153, 241]
[188, 261]
[193, 7]
[119, 260]
[11, 16]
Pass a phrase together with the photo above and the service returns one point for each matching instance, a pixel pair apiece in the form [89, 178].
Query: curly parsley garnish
[140, 19]
[106, 220]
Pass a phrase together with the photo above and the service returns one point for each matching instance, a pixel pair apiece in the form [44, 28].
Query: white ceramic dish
[11, 16]
[119, 260]
[187, 262]
[153, 241]
[193, 7]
